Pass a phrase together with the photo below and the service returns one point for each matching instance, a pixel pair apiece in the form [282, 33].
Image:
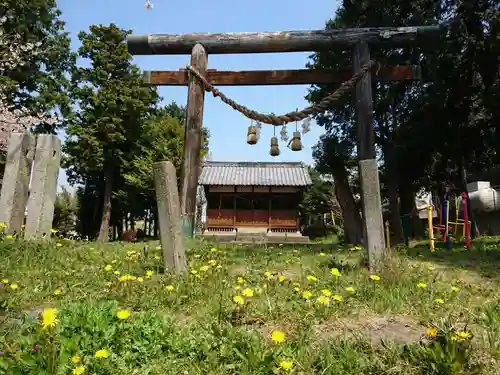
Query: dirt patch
[395, 328]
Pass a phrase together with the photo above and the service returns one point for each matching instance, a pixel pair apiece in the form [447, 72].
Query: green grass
[191, 324]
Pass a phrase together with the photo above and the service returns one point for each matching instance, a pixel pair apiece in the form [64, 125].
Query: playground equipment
[404, 224]
[446, 226]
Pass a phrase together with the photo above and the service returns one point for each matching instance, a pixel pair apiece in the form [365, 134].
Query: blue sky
[227, 127]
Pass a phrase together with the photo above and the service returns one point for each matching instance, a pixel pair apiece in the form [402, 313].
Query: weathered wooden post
[192, 142]
[40, 208]
[169, 216]
[368, 169]
[16, 178]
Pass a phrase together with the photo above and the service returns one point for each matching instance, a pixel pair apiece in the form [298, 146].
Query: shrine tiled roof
[254, 174]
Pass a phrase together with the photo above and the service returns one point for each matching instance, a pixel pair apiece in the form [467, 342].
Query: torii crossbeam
[199, 45]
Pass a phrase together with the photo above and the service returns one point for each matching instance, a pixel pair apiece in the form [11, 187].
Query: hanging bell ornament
[148, 5]
[296, 143]
[306, 126]
[252, 135]
[284, 134]
[275, 151]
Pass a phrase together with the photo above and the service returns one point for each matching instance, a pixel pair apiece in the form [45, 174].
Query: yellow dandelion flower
[326, 292]
[140, 279]
[282, 278]
[194, 272]
[241, 280]
[335, 272]
[239, 300]
[127, 278]
[350, 289]
[286, 365]
[337, 298]
[306, 294]
[268, 274]
[430, 268]
[421, 285]
[170, 288]
[57, 292]
[375, 277]
[117, 272]
[114, 261]
[149, 274]
[59, 244]
[439, 300]
[431, 332]
[461, 336]
[204, 268]
[454, 289]
[212, 262]
[312, 278]
[5, 281]
[9, 236]
[322, 254]
[76, 359]
[13, 286]
[123, 314]
[356, 248]
[213, 250]
[53, 231]
[108, 267]
[324, 300]
[78, 370]
[49, 317]
[103, 353]
[278, 336]
[247, 292]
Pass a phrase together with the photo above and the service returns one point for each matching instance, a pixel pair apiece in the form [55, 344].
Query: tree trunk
[106, 207]
[353, 229]
[392, 192]
[155, 215]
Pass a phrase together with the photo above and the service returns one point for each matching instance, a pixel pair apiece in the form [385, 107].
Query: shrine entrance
[200, 79]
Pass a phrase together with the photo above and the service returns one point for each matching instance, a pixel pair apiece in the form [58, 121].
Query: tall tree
[34, 59]
[425, 132]
[113, 105]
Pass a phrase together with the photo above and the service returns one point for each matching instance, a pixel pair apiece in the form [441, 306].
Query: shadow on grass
[483, 258]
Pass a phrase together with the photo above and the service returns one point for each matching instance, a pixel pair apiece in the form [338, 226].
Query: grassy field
[79, 308]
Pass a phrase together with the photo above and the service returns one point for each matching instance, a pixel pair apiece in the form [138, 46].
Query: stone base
[256, 238]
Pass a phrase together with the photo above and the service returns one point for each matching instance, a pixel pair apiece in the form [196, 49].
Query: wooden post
[169, 218]
[40, 207]
[16, 178]
[368, 169]
[192, 141]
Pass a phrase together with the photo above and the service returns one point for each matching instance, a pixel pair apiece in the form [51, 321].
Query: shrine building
[254, 197]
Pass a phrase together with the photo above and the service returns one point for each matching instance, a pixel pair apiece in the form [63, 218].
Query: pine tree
[103, 136]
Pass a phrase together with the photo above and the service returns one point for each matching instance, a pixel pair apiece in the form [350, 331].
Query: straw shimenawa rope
[321, 107]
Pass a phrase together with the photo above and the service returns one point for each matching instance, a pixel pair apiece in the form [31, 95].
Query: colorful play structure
[443, 231]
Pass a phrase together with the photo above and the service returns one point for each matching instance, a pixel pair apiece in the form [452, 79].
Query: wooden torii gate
[199, 45]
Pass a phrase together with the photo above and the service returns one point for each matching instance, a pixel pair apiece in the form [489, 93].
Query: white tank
[483, 198]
